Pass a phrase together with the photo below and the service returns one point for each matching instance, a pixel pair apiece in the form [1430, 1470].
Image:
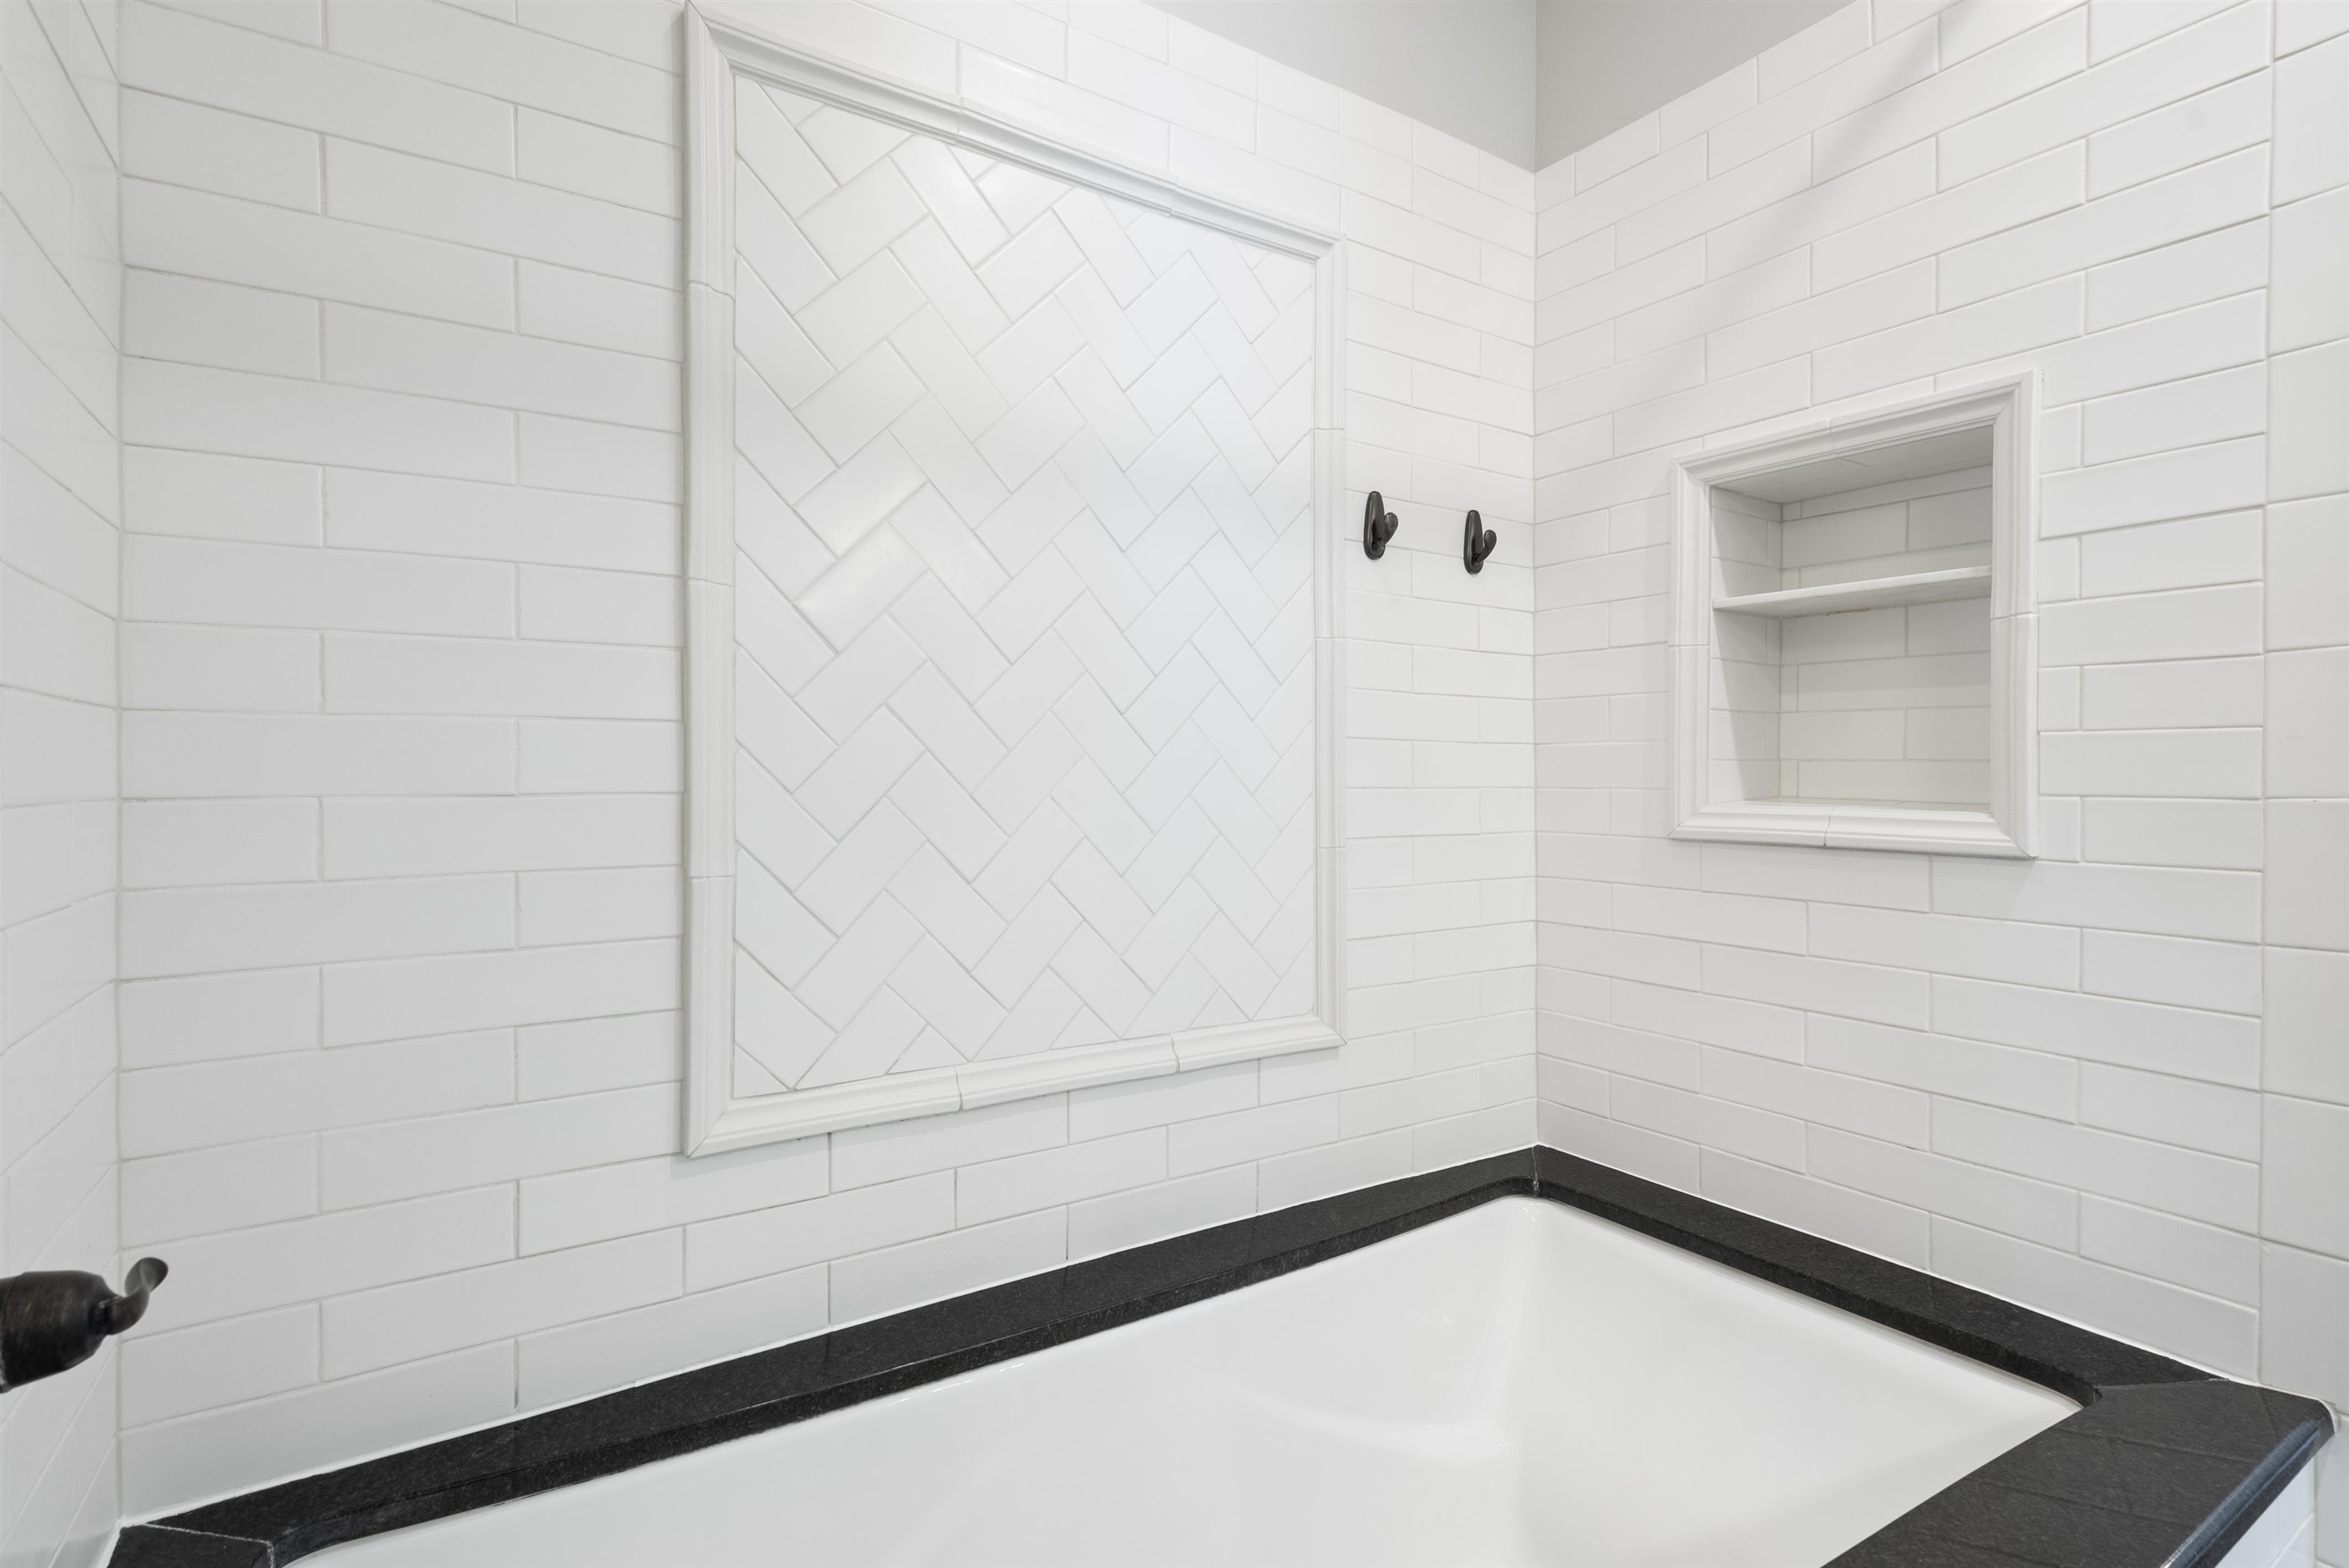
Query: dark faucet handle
[53, 1319]
[113, 1314]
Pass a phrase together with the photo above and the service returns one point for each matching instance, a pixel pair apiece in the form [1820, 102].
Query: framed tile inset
[1011, 655]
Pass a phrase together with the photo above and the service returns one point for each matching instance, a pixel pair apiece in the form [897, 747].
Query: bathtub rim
[2163, 1465]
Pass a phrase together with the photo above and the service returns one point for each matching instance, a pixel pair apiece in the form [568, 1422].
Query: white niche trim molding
[1895, 547]
[722, 57]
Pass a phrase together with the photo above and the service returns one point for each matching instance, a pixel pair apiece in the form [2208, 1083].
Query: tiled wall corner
[60, 513]
[399, 918]
[2304, 1206]
[2114, 1083]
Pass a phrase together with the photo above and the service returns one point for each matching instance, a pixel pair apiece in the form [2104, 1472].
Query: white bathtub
[1520, 1383]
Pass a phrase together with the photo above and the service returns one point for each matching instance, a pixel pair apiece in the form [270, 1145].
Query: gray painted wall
[1527, 80]
[1465, 67]
[1604, 63]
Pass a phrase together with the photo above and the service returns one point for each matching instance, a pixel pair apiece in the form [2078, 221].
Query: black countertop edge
[2217, 1534]
[2075, 1362]
[2163, 1467]
[163, 1546]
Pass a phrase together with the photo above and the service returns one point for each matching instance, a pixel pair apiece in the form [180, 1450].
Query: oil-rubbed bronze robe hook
[1379, 525]
[1476, 543]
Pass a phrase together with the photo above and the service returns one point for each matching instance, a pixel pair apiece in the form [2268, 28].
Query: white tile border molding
[716, 52]
[2010, 827]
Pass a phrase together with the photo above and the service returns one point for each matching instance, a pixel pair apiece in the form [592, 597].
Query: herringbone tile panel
[1023, 612]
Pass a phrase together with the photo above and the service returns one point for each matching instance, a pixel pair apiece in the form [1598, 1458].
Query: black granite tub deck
[2164, 1466]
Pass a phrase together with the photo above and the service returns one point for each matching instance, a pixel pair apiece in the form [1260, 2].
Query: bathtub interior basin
[1518, 1383]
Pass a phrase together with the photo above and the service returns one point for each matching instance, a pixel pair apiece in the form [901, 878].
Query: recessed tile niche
[1853, 630]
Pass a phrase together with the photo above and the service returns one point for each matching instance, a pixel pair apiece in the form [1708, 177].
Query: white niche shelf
[1855, 642]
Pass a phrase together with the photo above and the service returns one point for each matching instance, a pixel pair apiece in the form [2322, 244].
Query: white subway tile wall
[380, 297]
[2114, 1083]
[400, 872]
[60, 518]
